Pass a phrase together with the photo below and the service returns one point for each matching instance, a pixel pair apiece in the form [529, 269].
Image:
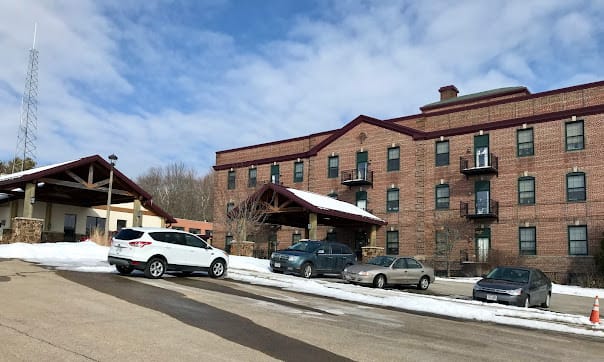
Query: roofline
[453, 101]
[277, 142]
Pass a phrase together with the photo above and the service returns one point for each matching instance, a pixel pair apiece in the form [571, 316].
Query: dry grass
[98, 236]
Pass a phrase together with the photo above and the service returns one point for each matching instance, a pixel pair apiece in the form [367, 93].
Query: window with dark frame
[296, 238]
[298, 171]
[361, 200]
[577, 240]
[392, 200]
[575, 186]
[392, 243]
[574, 136]
[442, 196]
[525, 145]
[394, 158]
[526, 190]
[333, 166]
[442, 153]
[528, 240]
[252, 177]
[230, 207]
[231, 180]
[275, 174]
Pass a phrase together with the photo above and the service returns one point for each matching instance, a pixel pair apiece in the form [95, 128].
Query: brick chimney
[448, 92]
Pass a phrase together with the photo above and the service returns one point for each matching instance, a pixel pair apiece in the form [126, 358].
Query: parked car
[519, 286]
[381, 271]
[157, 250]
[312, 257]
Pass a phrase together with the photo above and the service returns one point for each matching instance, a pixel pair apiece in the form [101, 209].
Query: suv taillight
[139, 244]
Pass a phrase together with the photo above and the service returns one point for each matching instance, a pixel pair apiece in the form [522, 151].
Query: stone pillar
[137, 215]
[30, 195]
[26, 230]
[242, 248]
[312, 222]
[371, 251]
[373, 236]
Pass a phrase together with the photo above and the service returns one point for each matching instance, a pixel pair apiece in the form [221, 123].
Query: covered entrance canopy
[83, 182]
[306, 210]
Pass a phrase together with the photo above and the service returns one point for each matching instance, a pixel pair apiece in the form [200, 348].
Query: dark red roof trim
[474, 99]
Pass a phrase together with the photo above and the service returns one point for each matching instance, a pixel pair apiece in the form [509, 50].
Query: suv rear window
[128, 234]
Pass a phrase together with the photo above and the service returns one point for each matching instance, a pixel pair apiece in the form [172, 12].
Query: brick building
[509, 176]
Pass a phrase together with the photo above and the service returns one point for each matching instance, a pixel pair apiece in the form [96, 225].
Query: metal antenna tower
[28, 126]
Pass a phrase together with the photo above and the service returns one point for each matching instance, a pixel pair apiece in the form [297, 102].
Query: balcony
[485, 210]
[357, 177]
[489, 166]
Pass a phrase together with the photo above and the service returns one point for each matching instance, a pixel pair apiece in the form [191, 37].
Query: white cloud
[137, 80]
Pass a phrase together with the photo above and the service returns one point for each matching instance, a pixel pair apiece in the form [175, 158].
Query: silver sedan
[390, 270]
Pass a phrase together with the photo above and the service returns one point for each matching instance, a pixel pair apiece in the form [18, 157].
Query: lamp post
[112, 159]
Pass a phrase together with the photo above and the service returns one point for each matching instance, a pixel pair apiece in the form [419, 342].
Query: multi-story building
[501, 176]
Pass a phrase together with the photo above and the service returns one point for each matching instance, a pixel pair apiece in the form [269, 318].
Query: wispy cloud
[158, 82]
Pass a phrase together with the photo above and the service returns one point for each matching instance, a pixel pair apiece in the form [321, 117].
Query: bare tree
[178, 190]
[450, 229]
[247, 217]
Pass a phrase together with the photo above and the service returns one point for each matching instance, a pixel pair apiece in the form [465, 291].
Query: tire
[307, 270]
[424, 283]
[547, 301]
[379, 281]
[156, 267]
[527, 302]
[217, 268]
[124, 270]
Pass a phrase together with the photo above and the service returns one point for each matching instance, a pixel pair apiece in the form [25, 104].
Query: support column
[48, 217]
[30, 195]
[137, 215]
[373, 236]
[312, 223]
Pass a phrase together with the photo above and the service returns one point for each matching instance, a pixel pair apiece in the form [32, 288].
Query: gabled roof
[81, 182]
[291, 207]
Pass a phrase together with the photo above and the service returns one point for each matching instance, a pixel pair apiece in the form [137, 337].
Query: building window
[442, 153]
[577, 240]
[442, 196]
[195, 231]
[94, 223]
[526, 190]
[361, 197]
[392, 197]
[524, 139]
[333, 166]
[333, 195]
[331, 236]
[231, 181]
[275, 174]
[298, 171]
[230, 207]
[179, 228]
[394, 158]
[296, 238]
[251, 177]
[228, 240]
[574, 136]
[528, 240]
[392, 242]
[121, 224]
[575, 186]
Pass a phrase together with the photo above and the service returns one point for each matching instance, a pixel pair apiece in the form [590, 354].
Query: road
[70, 316]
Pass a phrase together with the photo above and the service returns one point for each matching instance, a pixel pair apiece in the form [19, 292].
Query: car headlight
[363, 273]
[515, 291]
[272, 255]
[292, 258]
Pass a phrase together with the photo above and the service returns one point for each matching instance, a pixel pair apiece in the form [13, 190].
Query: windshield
[510, 275]
[306, 246]
[381, 260]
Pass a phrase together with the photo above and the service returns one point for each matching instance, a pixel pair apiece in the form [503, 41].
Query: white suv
[156, 250]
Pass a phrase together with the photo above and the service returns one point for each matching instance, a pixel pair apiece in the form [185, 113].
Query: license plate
[492, 297]
[277, 265]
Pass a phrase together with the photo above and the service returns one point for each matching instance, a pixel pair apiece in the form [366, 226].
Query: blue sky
[157, 82]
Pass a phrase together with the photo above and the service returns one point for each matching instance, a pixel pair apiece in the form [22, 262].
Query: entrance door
[483, 244]
[362, 165]
[360, 240]
[481, 150]
[483, 193]
[69, 227]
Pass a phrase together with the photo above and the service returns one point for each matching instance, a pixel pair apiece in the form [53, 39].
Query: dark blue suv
[312, 257]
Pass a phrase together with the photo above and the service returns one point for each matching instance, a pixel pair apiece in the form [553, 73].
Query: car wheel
[379, 281]
[155, 268]
[545, 304]
[307, 270]
[217, 268]
[123, 269]
[424, 282]
[527, 302]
